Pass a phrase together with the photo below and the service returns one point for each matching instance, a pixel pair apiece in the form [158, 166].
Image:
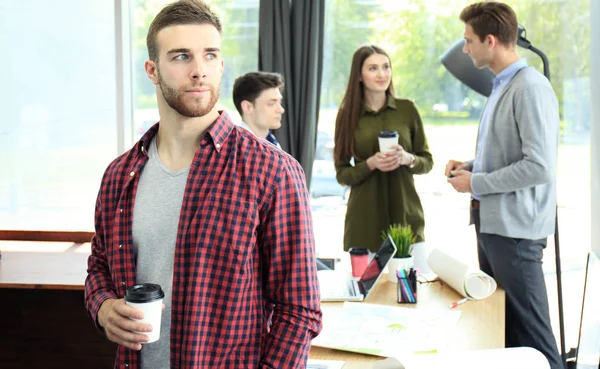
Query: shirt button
[123, 283]
[132, 174]
[218, 146]
[121, 210]
[120, 246]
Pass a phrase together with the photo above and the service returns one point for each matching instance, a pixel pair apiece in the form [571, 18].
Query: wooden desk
[43, 270]
[43, 321]
[481, 325]
[45, 325]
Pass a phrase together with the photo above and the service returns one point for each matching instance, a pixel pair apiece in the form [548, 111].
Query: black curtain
[291, 43]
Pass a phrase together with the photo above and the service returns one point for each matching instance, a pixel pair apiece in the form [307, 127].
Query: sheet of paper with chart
[385, 330]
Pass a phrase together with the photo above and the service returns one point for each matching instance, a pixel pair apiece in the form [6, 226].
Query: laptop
[337, 286]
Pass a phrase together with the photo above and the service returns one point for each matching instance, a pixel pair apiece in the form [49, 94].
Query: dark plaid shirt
[245, 290]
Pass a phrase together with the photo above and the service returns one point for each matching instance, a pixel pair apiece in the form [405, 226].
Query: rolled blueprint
[467, 281]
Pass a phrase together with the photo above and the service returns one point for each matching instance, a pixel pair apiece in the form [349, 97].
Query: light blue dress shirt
[500, 82]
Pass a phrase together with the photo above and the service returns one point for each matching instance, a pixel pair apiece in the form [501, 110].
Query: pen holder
[407, 286]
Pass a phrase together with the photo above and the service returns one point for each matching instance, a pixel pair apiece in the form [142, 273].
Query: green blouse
[379, 199]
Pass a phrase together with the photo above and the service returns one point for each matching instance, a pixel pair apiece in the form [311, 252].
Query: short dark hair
[251, 85]
[492, 18]
[179, 13]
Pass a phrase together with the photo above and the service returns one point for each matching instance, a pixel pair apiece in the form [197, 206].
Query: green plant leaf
[403, 238]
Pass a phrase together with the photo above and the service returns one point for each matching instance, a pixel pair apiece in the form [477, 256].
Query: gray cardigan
[517, 184]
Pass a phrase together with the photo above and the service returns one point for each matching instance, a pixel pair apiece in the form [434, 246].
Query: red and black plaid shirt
[245, 290]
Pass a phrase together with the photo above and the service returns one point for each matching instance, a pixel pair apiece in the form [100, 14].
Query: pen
[415, 282]
[401, 295]
[459, 302]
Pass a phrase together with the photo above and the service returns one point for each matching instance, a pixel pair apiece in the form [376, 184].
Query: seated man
[257, 97]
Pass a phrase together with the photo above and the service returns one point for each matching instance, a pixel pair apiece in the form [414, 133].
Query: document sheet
[385, 330]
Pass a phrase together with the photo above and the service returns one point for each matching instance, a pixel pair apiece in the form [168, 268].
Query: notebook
[337, 286]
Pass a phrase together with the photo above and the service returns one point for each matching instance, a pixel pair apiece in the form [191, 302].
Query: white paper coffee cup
[147, 297]
[386, 140]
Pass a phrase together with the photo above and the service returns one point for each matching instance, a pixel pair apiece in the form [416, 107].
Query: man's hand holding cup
[135, 320]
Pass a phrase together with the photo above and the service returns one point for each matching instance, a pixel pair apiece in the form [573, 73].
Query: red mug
[359, 257]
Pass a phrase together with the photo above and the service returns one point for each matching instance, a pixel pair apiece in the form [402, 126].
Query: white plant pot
[395, 263]
[420, 251]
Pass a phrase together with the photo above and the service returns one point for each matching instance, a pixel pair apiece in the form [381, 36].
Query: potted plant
[403, 238]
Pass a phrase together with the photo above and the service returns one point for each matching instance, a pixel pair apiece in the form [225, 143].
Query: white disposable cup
[385, 143]
[152, 308]
[152, 315]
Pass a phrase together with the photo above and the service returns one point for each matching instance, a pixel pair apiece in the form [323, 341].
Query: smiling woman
[383, 188]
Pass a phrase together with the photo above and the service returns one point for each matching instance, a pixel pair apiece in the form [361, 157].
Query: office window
[415, 33]
[60, 127]
[239, 19]
[57, 133]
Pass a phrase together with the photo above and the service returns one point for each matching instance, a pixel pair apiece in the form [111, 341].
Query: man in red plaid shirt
[216, 216]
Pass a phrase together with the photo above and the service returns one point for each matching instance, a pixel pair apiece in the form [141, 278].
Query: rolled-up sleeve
[98, 283]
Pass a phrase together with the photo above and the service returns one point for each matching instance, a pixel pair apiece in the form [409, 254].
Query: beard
[195, 106]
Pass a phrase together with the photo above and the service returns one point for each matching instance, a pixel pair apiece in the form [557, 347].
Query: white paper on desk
[383, 330]
[516, 357]
[469, 282]
[324, 364]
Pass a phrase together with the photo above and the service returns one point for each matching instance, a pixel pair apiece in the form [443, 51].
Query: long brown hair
[347, 116]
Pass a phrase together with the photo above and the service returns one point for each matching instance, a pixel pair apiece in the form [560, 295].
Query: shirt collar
[509, 72]
[218, 131]
[216, 134]
[144, 143]
[245, 126]
[390, 103]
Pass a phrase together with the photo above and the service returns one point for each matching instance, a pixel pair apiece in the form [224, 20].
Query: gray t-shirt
[155, 220]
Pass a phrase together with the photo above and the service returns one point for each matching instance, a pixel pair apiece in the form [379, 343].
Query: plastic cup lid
[145, 292]
[386, 134]
[358, 251]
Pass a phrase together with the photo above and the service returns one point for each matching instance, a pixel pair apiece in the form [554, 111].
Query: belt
[474, 204]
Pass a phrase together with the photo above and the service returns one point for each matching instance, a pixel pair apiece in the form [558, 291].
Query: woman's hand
[406, 158]
[386, 161]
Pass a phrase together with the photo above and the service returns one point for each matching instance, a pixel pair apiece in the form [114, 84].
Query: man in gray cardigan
[512, 179]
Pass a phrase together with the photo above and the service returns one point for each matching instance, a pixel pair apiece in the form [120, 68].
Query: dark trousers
[516, 265]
